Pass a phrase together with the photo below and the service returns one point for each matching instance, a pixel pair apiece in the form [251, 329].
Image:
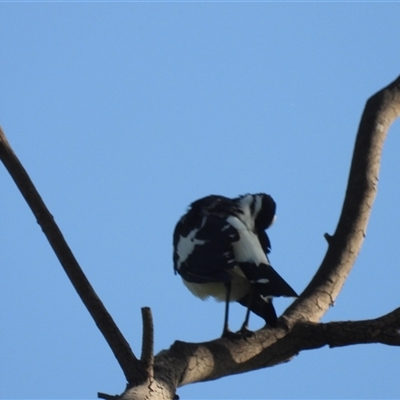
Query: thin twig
[147, 356]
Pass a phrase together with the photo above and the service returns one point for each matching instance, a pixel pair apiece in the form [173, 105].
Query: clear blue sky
[124, 113]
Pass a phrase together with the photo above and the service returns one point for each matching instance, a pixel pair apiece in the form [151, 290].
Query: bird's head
[258, 210]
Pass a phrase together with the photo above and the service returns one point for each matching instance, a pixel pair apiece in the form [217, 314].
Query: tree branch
[131, 367]
[194, 362]
[297, 329]
[380, 112]
[384, 330]
[147, 357]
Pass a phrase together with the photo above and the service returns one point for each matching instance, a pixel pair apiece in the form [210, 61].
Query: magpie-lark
[220, 250]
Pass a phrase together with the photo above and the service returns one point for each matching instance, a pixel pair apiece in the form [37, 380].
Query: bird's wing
[267, 280]
[251, 257]
[204, 253]
[264, 241]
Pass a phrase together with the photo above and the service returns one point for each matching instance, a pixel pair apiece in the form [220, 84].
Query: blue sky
[123, 114]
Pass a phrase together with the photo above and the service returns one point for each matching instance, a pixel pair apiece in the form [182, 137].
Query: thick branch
[131, 367]
[185, 363]
[384, 330]
[380, 112]
[193, 362]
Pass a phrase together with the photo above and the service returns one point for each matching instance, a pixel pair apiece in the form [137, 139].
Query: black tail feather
[262, 308]
[267, 280]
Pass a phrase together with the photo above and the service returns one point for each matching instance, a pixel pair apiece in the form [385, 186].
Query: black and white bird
[220, 250]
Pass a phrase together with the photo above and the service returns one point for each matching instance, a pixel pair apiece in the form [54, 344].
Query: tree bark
[298, 328]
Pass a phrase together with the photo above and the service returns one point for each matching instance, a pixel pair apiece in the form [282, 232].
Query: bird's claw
[243, 334]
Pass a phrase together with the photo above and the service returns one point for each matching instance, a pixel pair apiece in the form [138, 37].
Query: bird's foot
[228, 334]
[243, 333]
[232, 335]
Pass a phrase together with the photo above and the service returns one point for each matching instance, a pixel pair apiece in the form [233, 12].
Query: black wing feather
[209, 261]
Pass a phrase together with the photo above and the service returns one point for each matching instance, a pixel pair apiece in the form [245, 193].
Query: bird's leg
[246, 320]
[244, 330]
[226, 332]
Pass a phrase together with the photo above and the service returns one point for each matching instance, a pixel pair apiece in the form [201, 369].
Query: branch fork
[155, 377]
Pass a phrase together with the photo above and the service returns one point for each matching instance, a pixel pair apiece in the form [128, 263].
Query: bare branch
[131, 367]
[186, 363]
[297, 330]
[380, 112]
[384, 330]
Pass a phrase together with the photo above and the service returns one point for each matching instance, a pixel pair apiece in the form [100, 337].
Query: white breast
[240, 286]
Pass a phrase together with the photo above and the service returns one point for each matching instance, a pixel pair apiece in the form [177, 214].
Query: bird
[220, 250]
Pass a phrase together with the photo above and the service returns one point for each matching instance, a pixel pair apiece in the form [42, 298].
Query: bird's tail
[266, 284]
[260, 306]
[266, 280]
